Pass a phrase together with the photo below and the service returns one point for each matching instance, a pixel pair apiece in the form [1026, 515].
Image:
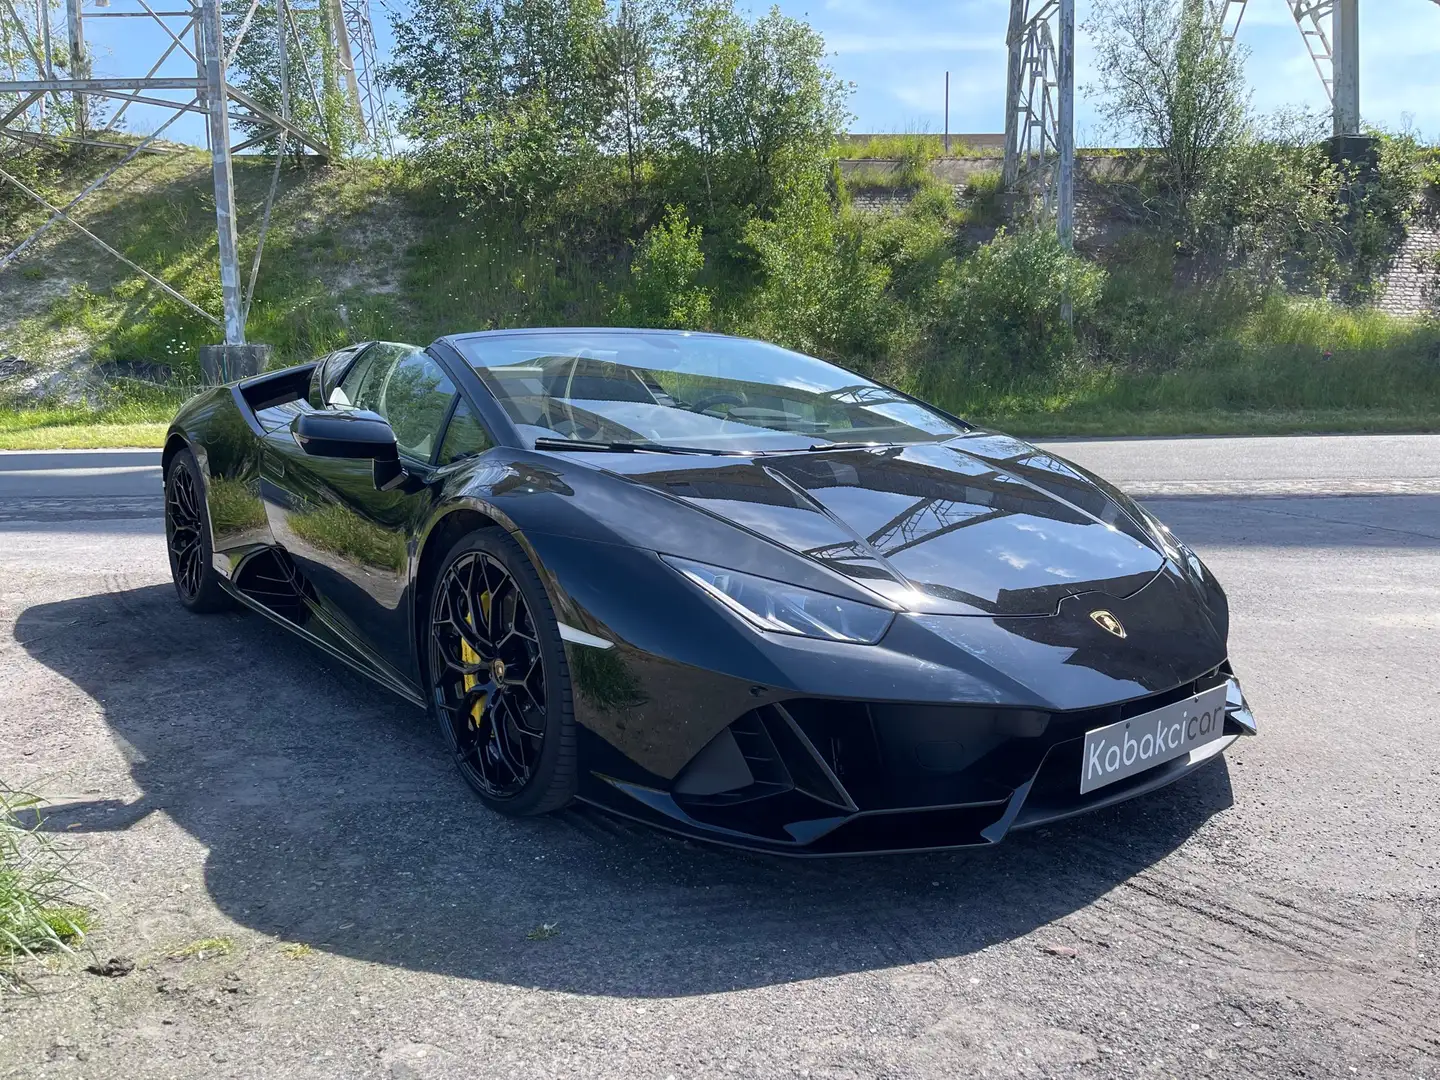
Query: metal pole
[216, 102]
[198, 29]
[282, 22]
[947, 113]
[1014, 40]
[1065, 211]
[346, 60]
[79, 61]
[42, 23]
[1347, 67]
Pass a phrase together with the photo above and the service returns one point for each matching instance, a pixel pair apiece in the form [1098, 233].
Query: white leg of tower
[1347, 67]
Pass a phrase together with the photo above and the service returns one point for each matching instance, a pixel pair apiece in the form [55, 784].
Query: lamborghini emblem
[1108, 622]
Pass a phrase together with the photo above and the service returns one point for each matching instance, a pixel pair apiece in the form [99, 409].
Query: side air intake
[760, 755]
[271, 578]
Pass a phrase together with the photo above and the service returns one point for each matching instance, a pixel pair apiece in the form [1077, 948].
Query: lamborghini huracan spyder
[724, 588]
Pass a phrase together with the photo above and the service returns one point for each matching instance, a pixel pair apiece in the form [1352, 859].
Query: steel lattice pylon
[1331, 32]
[1230, 16]
[187, 75]
[369, 88]
[1314, 18]
[1039, 107]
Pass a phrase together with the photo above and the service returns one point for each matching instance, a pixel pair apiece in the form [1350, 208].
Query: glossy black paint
[348, 434]
[961, 724]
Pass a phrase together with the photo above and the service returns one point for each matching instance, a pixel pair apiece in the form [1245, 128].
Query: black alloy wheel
[499, 683]
[187, 538]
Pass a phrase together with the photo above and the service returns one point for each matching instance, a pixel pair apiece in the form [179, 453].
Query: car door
[353, 542]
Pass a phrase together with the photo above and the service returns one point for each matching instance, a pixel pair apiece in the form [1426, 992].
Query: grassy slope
[356, 253]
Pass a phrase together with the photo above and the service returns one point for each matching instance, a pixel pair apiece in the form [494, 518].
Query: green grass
[203, 948]
[83, 436]
[1100, 422]
[132, 416]
[39, 888]
[1291, 366]
[332, 240]
[909, 144]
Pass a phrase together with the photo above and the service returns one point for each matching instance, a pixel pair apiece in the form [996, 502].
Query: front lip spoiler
[1152, 779]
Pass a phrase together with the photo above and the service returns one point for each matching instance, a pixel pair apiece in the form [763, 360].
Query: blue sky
[896, 52]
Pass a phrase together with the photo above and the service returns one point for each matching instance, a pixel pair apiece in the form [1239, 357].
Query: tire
[187, 538]
[510, 728]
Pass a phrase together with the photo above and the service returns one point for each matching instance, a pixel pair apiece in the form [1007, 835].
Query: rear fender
[219, 428]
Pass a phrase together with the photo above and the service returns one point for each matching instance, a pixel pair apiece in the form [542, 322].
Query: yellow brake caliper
[470, 656]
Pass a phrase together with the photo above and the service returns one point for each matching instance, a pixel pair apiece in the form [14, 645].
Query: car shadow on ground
[332, 816]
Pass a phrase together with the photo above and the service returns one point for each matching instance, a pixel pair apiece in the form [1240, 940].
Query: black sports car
[705, 582]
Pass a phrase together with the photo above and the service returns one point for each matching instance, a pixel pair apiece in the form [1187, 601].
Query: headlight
[787, 609]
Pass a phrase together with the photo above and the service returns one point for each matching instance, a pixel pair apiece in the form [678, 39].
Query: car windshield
[689, 391]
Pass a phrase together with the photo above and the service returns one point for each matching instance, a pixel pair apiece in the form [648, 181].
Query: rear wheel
[187, 536]
[499, 684]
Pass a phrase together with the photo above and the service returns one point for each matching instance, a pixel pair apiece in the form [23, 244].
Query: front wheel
[499, 684]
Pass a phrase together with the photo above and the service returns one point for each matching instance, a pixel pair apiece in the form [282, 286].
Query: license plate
[1121, 750]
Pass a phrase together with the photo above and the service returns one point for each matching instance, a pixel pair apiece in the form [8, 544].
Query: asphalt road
[1275, 915]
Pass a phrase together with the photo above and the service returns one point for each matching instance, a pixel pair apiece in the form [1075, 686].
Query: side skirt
[394, 687]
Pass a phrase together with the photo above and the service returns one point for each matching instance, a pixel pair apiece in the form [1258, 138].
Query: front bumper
[810, 777]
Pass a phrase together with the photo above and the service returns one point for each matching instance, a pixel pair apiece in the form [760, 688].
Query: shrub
[664, 278]
[821, 289]
[1004, 319]
[1380, 206]
[1146, 322]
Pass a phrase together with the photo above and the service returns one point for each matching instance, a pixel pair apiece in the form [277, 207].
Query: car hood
[982, 524]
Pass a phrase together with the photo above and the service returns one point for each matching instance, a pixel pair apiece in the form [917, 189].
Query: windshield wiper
[848, 446]
[630, 447]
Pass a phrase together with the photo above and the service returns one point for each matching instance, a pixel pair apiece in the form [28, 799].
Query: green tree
[790, 104]
[502, 97]
[751, 103]
[705, 51]
[626, 65]
[318, 101]
[1166, 77]
[531, 100]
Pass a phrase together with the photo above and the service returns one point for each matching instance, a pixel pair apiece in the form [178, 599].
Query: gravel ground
[1278, 914]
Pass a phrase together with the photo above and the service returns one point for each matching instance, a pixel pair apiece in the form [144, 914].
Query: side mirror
[351, 433]
[348, 434]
